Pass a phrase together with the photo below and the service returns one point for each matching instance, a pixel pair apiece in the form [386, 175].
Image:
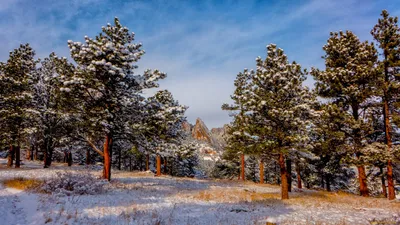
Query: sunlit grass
[21, 183]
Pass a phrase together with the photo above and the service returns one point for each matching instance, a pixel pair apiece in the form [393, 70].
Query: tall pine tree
[105, 84]
[348, 82]
[51, 120]
[277, 106]
[387, 33]
[16, 98]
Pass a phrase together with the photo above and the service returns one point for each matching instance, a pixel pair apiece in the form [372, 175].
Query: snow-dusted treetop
[104, 78]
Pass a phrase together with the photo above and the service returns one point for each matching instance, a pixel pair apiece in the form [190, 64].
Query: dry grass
[232, 195]
[21, 183]
[341, 200]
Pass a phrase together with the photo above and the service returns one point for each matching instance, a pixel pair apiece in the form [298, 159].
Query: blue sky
[201, 45]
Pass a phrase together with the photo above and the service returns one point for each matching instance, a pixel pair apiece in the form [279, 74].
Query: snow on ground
[141, 198]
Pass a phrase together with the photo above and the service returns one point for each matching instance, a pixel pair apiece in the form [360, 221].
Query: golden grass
[305, 199]
[22, 183]
[232, 195]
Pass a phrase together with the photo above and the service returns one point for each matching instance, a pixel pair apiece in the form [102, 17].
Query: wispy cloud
[202, 45]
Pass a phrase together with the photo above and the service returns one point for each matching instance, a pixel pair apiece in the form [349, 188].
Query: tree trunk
[32, 151]
[242, 174]
[384, 192]
[362, 178]
[158, 159]
[147, 161]
[284, 178]
[10, 156]
[299, 185]
[388, 129]
[261, 171]
[28, 154]
[45, 157]
[69, 158]
[130, 163]
[36, 153]
[328, 182]
[165, 165]
[88, 160]
[107, 158]
[289, 173]
[119, 158]
[171, 167]
[17, 156]
[48, 152]
[392, 194]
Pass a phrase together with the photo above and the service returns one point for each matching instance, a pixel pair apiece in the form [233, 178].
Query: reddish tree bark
[284, 181]
[107, 158]
[10, 156]
[261, 171]
[147, 162]
[242, 168]
[17, 156]
[299, 185]
[392, 194]
[28, 154]
[388, 139]
[384, 192]
[158, 159]
[388, 127]
[362, 178]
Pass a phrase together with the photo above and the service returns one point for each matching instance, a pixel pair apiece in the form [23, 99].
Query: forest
[93, 110]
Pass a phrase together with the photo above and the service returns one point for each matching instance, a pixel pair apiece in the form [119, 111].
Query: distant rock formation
[200, 132]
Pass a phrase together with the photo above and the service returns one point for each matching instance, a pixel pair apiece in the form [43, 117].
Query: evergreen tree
[239, 141]
[105, 84]
[51, 120]
[348, 81]
[328, 139]
[387, 34]
[16, 98]
[163, 124]
[276, 107]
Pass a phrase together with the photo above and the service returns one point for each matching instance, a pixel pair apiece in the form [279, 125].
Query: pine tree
[105, 84]
[275, 106]
[328, 139]
[16, 98]
[239, 142]
[348, 81]
[163, 124]
[51, 120]
[387, 33]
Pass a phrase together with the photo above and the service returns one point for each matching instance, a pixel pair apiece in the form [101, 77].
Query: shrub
[68, 183]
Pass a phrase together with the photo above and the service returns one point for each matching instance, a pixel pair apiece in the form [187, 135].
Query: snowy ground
[141, 198]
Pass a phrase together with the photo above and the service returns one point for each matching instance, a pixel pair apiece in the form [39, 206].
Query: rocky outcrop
[200, 132]
[211, 143]
[215, 138]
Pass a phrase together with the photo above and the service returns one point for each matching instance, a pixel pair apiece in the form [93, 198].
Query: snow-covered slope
[141, 198]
